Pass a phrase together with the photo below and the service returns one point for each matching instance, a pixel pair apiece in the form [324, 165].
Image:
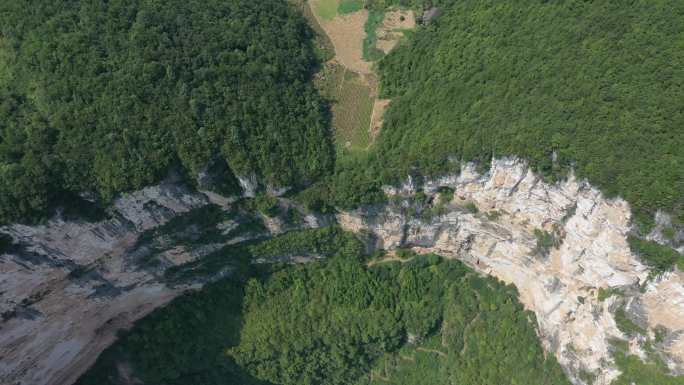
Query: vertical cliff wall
[66, 287]
[559, 244]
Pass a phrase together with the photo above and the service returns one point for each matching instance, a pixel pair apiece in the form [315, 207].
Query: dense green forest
[576, 84]
[108, 96]
[585, 84]
[335, 322]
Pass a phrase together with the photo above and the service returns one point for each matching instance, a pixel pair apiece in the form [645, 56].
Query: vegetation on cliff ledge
[336, 322]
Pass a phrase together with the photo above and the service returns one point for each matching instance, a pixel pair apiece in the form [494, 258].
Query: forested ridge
[584, 85]
[101, 97]
[594, 86]
[108, 96]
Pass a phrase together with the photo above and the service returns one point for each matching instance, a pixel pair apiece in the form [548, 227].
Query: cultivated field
[348, 80]
[352, 104]
[396, 22]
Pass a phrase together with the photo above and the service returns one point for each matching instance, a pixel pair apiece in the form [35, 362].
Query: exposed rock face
[69, 286]
[72, 285]
[559, 284]
[663, 223]
[249, 184]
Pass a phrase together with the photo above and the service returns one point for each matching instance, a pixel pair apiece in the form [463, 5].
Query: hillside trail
[391, 256]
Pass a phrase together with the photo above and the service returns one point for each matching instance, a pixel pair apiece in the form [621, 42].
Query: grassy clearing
[351, 104]
[370, 50]
[349, 6]
[326, 9]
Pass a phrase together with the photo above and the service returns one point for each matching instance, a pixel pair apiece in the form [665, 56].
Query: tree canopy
[338, 321]
[107, 96]
[585, 84]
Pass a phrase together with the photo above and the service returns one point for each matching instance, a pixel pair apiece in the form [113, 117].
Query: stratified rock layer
[559, 284]
[72, 285]
[68, 286]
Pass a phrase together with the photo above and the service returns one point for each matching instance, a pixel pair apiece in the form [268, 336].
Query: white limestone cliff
[561, 287]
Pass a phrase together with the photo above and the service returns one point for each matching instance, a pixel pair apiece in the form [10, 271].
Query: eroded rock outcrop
[494, 223]
[66, 287]
[54, 320]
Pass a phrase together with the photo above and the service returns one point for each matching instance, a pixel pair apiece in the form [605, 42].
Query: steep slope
[580, 85]
[67, 287]
[564, 246]
[100, 98]
[330, 322]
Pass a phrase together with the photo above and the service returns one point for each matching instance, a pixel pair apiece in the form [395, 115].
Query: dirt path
[426, 350]
[407, 358]
[379, 107]
[390, 257]
[466, 330]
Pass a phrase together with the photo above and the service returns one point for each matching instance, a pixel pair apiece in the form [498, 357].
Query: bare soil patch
[347, 34]
[391, 32]
[379, 107]
[357, 111]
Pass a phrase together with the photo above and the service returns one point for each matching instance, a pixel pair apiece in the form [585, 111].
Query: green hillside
[107, 97]
[594, 85]
[102, 97]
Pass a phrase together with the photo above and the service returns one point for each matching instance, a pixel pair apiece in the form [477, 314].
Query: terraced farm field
[326, 9]
[348, 81]
[352, 99]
